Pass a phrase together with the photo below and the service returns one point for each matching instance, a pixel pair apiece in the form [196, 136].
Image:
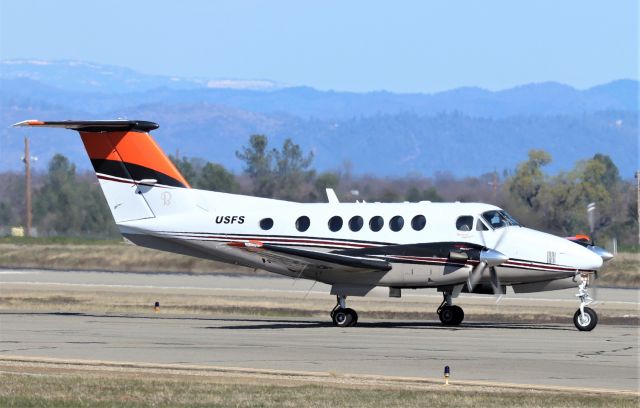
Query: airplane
[354, 247]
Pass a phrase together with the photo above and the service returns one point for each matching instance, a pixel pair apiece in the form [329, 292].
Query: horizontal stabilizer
[95, 125]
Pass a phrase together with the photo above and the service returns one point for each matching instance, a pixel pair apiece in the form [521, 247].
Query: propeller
[489, 258]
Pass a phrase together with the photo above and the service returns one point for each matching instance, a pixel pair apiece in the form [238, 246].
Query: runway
[186, 283]
[524, 353]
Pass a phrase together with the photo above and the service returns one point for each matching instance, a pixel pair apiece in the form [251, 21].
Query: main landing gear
[585, 318]
[450, 315]
[343, 316]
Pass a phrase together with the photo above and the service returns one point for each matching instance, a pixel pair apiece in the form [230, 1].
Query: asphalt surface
[545, 354]
[526, 354]
[198, 283]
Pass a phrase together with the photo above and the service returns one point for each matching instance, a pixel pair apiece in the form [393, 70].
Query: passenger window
[335, 223]
[376, 223]
[396, 223]
[464, 223]
[356, 223]
[266, 223]
[480, 226]
[303, 223]
[418, 222]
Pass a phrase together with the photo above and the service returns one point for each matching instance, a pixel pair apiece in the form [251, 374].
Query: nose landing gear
[585, 318]
[450, 315]
[343, 316]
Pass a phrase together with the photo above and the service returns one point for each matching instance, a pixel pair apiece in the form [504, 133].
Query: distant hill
[465, 131]
[89, 77]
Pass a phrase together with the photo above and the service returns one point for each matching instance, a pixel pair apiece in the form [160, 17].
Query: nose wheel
[585, 318]
[343, 316]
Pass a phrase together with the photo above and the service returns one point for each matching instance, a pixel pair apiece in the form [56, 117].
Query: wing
[298, 260]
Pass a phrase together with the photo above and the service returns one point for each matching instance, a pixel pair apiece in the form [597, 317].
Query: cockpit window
[464, 223]
[498, 219]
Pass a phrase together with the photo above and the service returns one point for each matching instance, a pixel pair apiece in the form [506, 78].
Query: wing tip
[30, 122]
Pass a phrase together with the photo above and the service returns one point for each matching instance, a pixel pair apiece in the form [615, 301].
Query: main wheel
[354, 316]
[586, 322]
[342, 317]
[459, 314]
[451, 315]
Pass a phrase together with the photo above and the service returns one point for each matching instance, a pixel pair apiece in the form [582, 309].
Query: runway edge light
[447, 373]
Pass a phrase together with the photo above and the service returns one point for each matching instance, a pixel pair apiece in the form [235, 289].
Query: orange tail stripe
[131, 147]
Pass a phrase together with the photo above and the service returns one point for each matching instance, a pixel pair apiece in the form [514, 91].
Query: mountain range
[465, 131]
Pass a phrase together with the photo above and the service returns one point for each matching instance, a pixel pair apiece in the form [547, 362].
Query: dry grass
[37, 387]
[622, 271]
[129, 258]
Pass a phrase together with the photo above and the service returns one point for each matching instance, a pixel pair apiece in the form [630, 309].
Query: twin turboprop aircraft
[354, 247]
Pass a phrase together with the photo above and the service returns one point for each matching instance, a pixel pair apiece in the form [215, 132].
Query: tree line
[68, 202]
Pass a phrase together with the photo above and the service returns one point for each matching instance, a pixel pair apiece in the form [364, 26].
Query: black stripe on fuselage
[267, 237]
[425, 250]
[134, 172]
[433, 250]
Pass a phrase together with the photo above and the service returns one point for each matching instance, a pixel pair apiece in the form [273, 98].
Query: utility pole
[638, 201]
[495, 187]
[27, 192]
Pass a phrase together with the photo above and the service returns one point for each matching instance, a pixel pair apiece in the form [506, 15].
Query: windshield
[498, 219]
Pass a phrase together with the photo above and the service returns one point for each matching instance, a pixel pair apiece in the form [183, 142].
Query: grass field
[99, 255]
[72, 386]
[74, 253]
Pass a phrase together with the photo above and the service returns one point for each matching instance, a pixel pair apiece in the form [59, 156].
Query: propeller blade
[475, 275]
[495, 282]
[591, 208]
[481, 231]
[499, 241]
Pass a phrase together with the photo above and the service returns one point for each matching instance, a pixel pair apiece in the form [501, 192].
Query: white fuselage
[204, 223]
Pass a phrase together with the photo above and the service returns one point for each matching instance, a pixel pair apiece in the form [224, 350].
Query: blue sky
[402, 46]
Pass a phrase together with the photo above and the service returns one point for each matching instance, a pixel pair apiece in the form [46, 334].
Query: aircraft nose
[588, 259]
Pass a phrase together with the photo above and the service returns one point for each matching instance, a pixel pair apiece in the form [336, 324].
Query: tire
[341, 318]
[589, 322]
[448, 316]
[459, 315]
[354, 316]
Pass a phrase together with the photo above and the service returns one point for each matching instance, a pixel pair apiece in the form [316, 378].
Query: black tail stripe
[127, 170]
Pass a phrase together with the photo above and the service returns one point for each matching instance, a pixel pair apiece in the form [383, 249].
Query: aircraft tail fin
[138, 180]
